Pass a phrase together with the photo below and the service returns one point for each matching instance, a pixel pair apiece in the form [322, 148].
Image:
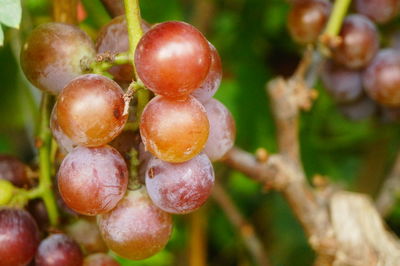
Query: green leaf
[10, 13]
[1, 36]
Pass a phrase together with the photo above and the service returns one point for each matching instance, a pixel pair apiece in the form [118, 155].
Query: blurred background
[252, 39]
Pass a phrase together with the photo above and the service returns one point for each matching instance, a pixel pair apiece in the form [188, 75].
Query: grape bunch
[362, 79]
[180, 132]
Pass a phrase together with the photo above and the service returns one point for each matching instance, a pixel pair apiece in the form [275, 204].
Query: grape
[19, 237]
[172, 59]
[136, 229]
[58, 249]
[390, 115]
[13, 170]
[307, 19]
[358, 110]
[380, 11]
[100, 259]
[87, 235]
[222, 130]
[382, 78]
[181, 187]
[125, 142]
[38, 211]
[174, 131]
[64, 142]
[113, 38]
[51, 56]
[213, 79]
[343, 84]
[360, 42]
[92, 180]
[90, 110]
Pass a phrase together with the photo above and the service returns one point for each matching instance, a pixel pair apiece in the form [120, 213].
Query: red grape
[51, 56]
[174, 131]
[13, 170]
[380, 11]
[90, 110]
[19, 237]
[100, 259]
[136, 229]
[92, 180]
[173, 59]
[343, 84]
[113, 38]
[180, 187]
[38, 211]
[382, 78]
[58, 249]
[64, 142]
[87, 235]
[213, 79]
[307, 19]
[361, 109]
[222, 130]
[360, 42]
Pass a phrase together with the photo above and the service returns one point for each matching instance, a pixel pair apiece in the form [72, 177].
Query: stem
[336, 18]
[44, 137]
[65, 11]
[132, 11]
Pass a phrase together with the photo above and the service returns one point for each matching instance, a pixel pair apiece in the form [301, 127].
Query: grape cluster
[360, 77]
[182, 129]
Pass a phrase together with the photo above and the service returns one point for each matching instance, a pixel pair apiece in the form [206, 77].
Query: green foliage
[10, 15]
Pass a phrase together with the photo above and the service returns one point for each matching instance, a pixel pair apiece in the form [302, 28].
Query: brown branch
[390, 189]
[246, 230]
[114, 7]
[65, 11]
[198, 238]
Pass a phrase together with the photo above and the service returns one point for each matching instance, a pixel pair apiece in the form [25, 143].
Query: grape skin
[101, 171]
[136, 229]
[173, 59]
[19, 237]
[13, 170]
[51, 56]
[222, 130]
[382, 78]
[90, 110]
[100, 259]
[307, 19]
[360, 42]
[359, 110]
[213, 79]
[65, 144]
[174, 131]
[380, 11]
[58, 249]
[344, 85]
[181, 187]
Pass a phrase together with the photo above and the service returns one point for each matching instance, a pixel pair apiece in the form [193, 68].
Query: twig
[390, 190]
[65, 11]
[198, 238]
[246, 230]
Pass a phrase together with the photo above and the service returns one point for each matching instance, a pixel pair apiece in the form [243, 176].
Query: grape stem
[330, 37]
[103, 61]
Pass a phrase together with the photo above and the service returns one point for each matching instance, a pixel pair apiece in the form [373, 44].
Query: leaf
[10, 13]
[1, 36]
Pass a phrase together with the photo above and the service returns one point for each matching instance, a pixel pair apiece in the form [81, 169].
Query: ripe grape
[13, 170]
[382, 78]
[213, 79]
[64, 142]
[180, 187]
[173, 59]
[86, 233]
[307, 19]
[136, 229]
[360, 42]
[38, 211]
[125, 142]
[343, 84]
[113, 38]
[380, 11]
[58, 249]
[92, 180]
[90, 110]
[51, 56]
[19, 237]
[222, 130]
[100, 259]
[361, 109]
[174, 131]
